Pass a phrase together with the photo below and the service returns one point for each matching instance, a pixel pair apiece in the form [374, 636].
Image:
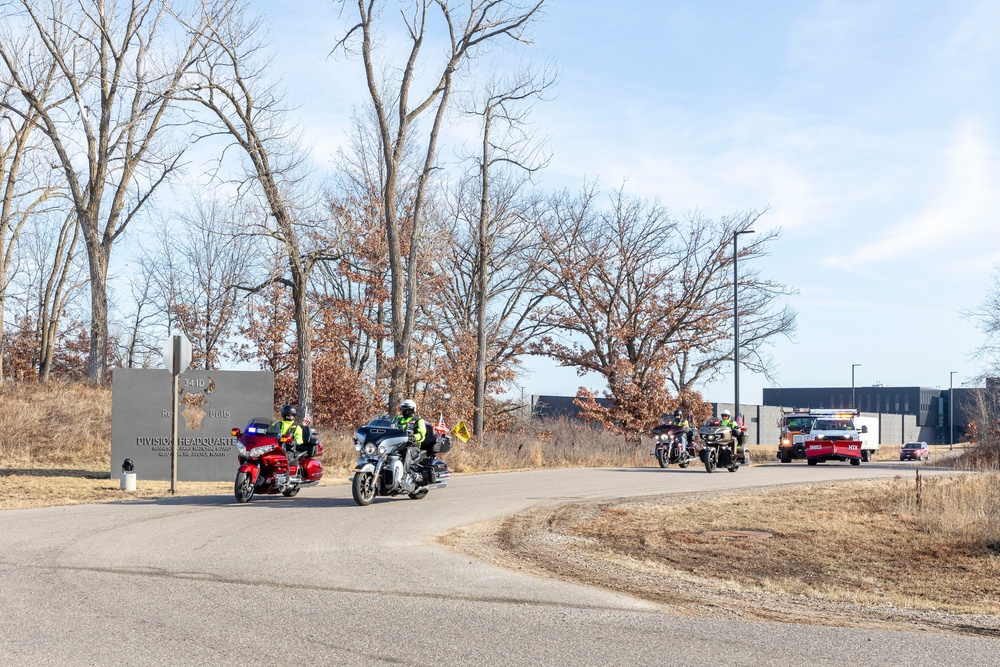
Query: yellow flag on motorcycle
[461, 431]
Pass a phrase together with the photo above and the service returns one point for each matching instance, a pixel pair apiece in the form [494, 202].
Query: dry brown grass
[865, 543]
[558, 444]
[55, 424]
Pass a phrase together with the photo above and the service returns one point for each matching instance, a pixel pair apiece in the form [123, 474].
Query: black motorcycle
[720, 446]
[672, 445]
[380, 470]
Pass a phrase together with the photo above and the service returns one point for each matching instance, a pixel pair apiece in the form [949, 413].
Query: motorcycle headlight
[381, 450]
[369, 448]
[357, 445]
[241, 449]
[258, 452]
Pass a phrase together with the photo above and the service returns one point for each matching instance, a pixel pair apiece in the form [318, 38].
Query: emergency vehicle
[793, 425]
[796, 426]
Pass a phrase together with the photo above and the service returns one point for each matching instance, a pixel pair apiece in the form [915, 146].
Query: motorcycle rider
[287, 423]
[678, 420]
[739, 431]
[415, 427]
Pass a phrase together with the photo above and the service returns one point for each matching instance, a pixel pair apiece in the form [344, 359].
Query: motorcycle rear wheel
[291, 493]
[243, 488]
[363, 488]
[418, 494]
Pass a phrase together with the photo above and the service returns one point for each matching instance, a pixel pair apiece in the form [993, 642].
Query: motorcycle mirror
[286, 438]
[235, 432]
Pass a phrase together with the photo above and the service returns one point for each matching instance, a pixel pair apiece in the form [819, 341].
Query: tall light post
[736, 324]
[854, 403]
[951, 410]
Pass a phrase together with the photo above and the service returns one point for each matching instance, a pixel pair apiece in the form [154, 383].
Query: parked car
[915, 450]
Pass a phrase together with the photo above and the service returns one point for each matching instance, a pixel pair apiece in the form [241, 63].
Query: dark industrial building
[555, 407]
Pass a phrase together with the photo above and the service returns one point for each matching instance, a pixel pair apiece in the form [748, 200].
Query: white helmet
[407, 408]
[725, 413]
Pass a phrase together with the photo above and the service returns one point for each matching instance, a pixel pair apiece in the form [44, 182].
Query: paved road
[317, 580]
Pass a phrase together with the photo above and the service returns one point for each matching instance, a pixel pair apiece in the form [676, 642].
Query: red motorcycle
[271, 463]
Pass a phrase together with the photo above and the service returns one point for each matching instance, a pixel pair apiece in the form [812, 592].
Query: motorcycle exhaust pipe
[436, 485]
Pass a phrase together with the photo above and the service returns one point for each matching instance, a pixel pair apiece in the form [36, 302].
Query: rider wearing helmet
[739, 431]
[678, 420]
[415, 427]
[287, 424]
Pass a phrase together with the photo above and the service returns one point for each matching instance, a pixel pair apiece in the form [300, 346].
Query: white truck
[846, 425]
[796, 426]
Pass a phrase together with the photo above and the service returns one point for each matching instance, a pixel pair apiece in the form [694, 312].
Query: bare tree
[231, 84]
[118, 70]
[61, 285]
[502, 264]
[50, 278]
[638, 294]
[763, 317]
[26, 186]
[470, 28]
[986, 317]
[198, 268]
[134, 344]
[354, 289]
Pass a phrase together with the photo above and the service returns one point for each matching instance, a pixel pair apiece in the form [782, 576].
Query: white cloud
[962, 210]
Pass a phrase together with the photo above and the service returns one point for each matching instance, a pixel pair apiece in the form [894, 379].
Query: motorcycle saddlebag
[434, 470]
[310, 439]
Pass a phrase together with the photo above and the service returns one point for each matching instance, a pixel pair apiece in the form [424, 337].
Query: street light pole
[854, 403]
[951, 410]
[736, 324]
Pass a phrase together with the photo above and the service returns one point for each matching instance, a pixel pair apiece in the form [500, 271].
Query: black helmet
[407, 408]
[288, 412]
[678, 414]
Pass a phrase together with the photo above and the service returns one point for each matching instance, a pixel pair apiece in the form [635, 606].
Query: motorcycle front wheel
[661, 456]
[710, 461]
[363, 488]
[243, 487]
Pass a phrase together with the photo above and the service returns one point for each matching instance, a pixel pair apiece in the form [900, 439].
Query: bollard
[128, 475]
[128, 481]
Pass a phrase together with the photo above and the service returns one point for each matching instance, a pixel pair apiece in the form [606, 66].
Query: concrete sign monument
[210, 404]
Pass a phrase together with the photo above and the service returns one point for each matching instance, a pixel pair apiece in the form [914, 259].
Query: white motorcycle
[380, 470]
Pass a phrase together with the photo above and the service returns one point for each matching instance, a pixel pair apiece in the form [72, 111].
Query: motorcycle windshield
[378, 433]
[262, 426]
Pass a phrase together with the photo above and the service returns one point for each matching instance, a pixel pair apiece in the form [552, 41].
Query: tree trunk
[479, 397]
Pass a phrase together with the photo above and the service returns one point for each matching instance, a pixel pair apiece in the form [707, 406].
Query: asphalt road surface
[318, 580]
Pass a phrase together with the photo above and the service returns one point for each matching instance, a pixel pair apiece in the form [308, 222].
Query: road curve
[318, 580]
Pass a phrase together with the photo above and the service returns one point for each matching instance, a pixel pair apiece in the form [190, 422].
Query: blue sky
[869, 129]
